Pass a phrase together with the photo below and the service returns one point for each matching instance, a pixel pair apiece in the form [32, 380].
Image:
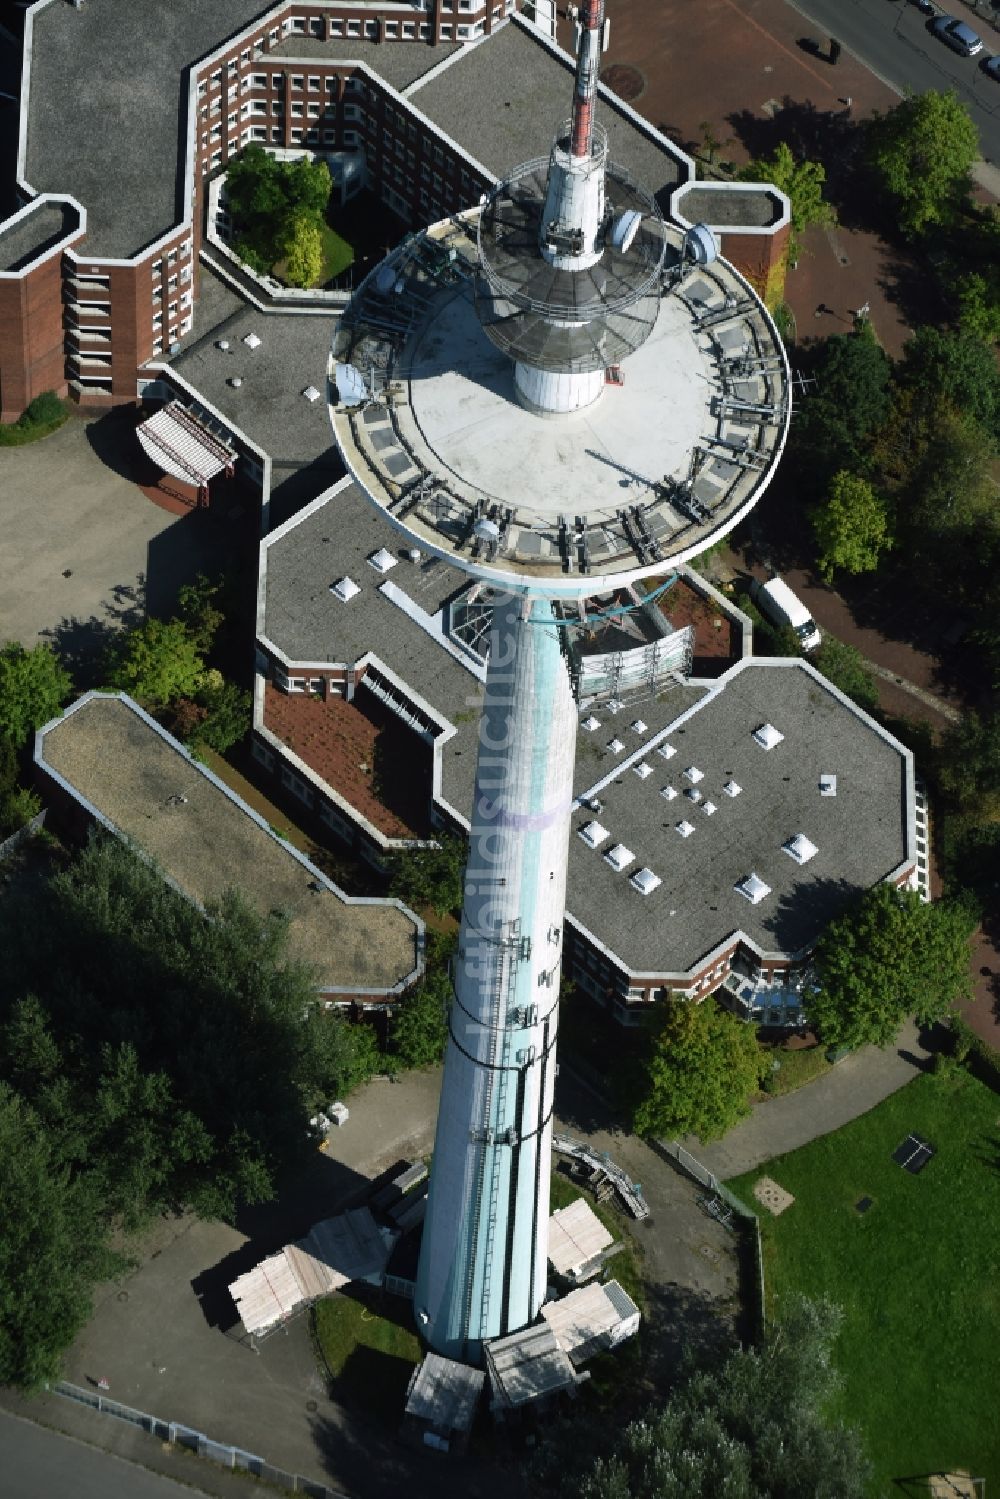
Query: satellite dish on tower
[700, 245]
[624, 230]
[350, 384]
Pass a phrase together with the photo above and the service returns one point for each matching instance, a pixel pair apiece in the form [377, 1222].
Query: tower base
[556, 392]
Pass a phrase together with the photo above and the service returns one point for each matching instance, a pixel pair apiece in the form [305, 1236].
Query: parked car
[993, 68]
[779, 604]
[957, 35]
[927, 6]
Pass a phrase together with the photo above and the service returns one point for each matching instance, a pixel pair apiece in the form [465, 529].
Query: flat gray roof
[107, 105]
[734, 208]
[206, 840]
[505, 98]
[306, 622]
[22, 240]
[862, 833]
[269, 405]
[399, 63]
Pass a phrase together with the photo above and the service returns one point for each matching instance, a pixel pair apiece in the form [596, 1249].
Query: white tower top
[558, 390]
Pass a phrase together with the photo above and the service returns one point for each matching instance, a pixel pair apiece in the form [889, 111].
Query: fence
[13, 843]
[752, 1259]
[196, 1441]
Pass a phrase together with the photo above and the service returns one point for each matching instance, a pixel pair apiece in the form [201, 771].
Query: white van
[775, 599]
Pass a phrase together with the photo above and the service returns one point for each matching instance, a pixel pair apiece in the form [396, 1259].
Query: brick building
[433, 97]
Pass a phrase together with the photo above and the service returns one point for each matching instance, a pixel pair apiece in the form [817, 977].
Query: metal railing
[176, 1432]
[721, 1204]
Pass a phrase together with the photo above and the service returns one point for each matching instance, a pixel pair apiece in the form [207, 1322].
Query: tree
[418, 1030]
[968, 765]
[302, 249]
[157, 661]
[851, 527]
[702, 1066]
[755, 1428]
[846, 668]
[849, 402]
[52, 1249]
[432, 875]
[955, 370]
[802, 181]
[33, 687]
[172, 1059]
[978, 298]
[921, 153]
[267, 197]
[199, 612]
[224, 714]
[889, 955]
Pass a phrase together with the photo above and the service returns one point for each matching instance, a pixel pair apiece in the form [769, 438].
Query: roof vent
[732, 788]
[614, 705]
[708, 808]
[590, 723]
[615, 746]
[643, 770]
[235, 381]
[767, 736]
[638, 726]
[619, 857]
[382, 560]
[223, 344]
[251, 340]
[694, 775]
[685, 829]
[752, 889]
[668, 792]
[311, 393]
[593, 834]
[666, 750]
[693, 794]
[413, 554]
[345, 589]
[800, 848]
[828, 785]
[645, 881]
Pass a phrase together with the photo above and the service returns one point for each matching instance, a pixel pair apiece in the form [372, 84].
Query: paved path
[38, 1462]
[780, 1125]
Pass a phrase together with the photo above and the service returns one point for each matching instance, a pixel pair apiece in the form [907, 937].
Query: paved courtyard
[82, 548]
[167, 1340]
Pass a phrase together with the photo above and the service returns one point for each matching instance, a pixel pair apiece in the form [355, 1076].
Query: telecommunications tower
[480, 396]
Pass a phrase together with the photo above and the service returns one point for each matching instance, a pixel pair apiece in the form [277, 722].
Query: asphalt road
[892, 39]
[39, 1462]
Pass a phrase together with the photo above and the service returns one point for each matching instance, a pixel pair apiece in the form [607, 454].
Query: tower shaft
[588, 64]
[482, 1268]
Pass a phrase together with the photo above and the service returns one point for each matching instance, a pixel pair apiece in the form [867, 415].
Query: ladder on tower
[510, 947]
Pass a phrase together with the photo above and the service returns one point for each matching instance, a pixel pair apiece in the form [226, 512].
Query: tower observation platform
[561, 393]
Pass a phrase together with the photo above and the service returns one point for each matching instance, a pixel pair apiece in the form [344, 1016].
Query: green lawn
[337, 254]
[917, 1275]
[370, 1356]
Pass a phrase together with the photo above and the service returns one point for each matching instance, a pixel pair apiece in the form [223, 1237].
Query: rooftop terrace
[147, 788]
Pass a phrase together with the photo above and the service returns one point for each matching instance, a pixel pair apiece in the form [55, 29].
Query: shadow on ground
[325, 1188]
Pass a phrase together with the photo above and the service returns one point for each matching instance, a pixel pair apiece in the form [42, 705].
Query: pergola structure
[179, 442]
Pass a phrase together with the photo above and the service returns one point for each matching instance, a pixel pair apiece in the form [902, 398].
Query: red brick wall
[31, 337]
[762, 259]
